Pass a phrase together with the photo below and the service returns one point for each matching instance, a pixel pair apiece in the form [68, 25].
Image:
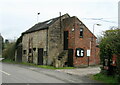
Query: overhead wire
[101, 19]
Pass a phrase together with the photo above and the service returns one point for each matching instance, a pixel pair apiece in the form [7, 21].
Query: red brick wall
[74, 41]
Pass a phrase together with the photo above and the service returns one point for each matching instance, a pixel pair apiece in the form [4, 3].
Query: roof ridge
[54, 18]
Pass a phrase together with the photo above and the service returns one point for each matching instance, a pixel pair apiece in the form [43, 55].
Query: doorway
[70, 57]
[40, 56]
[19, 54]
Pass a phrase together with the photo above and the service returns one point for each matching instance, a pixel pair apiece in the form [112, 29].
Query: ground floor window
[79, 52]
[30, 50]
[45, 53]
[34, 49]
[24, 51]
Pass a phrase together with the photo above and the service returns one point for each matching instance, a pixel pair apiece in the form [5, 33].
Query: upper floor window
[81, 32]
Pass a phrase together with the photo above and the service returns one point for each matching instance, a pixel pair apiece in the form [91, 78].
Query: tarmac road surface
[16, 73]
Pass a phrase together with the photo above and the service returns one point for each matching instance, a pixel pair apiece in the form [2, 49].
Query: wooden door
[70, 57]
[40, 56]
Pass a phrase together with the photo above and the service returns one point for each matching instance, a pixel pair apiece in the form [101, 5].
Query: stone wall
[34, 41]
[55, 40]
[51, 40]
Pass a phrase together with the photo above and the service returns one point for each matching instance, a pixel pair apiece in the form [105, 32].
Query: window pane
[81, 29]
[24, 51]
[81, 32]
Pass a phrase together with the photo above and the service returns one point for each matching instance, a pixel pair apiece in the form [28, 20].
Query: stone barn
[61, 41]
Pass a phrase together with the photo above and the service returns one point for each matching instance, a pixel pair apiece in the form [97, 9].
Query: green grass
[105, 78]
[31, 64]
[8, 61]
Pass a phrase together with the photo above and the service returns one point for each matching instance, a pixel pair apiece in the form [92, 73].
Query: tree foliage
[109, 45]
[9, 51]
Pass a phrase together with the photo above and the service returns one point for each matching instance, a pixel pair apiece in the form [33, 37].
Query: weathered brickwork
[55, 41]
[87, 42]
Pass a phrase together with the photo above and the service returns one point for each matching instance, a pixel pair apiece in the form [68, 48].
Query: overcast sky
[16, 16]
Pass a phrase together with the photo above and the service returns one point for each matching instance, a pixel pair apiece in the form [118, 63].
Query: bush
[104, 72]
[9, 51]
[109, 46]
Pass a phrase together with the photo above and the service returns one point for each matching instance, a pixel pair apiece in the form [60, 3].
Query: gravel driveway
[82, 71]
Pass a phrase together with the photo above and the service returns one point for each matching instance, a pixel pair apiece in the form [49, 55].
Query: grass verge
[31, 64]
[105, 79]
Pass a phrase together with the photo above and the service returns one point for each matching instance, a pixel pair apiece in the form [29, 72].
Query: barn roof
[42, 25]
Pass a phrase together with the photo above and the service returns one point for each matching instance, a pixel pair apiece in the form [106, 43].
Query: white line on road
[5, 72]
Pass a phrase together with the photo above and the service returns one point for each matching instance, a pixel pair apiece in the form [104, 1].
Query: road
[16, 73]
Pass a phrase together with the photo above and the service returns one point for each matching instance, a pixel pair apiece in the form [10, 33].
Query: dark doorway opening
[65, 40]
[19, 54]
[70, 57]
[40, 56]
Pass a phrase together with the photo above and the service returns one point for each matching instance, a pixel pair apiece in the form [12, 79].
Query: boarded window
[79, 52]
[81, 32]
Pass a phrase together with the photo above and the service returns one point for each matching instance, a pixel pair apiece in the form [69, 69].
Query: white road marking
[5, 72]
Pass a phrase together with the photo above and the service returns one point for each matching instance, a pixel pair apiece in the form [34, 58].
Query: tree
[10, 48]
[9, 51]
[109, 45]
